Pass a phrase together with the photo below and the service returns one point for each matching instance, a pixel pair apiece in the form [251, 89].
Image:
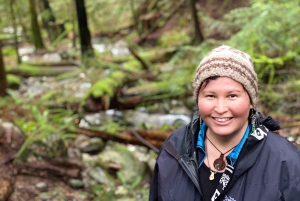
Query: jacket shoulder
[282, 148]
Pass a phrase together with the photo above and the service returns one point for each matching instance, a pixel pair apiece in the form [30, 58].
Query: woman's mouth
[222, 120]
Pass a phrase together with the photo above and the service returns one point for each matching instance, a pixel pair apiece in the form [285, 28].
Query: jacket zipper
[193, 174]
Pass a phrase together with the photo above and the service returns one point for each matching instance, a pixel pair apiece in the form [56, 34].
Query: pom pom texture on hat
[228, 62]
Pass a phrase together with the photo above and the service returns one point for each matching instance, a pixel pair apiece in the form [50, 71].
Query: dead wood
[152, 138]
[164, 18]
[140, 59]
[63, 169]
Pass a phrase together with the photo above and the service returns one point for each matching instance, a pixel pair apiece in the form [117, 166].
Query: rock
[9, 128]
[80, 139]
[291, 138]
[49, 147]
[46, 196]
[89, 160]
[41, 186]
[101, 176]
[76, 183]
[74, 153]
[93, 145]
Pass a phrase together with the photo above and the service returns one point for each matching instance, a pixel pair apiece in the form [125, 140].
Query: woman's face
[224, 106]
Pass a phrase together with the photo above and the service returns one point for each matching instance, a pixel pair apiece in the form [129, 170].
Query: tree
[84, 32]
[35, 28]
[13, 16]
[3, 81]
[198, 37]
[49, 21]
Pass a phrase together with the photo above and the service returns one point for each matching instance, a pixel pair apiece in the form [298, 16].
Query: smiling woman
[228, 151]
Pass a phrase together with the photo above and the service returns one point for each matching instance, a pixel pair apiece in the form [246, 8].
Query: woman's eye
[210, 96]
[232, 95]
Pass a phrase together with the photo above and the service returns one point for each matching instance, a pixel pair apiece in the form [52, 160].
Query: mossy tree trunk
[13, 16]
[3, 81]
[198, 37]
[84, 32]
[49, 21]
[73, 21]
[35, 28]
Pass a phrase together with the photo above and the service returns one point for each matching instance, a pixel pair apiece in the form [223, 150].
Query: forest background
[90, 89]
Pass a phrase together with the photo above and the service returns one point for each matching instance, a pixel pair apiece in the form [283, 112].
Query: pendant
[212, 175]
[219, 163]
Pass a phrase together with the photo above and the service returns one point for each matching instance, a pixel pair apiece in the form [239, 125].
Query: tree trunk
[198, 37]
[3, 81]
[135, 17]
[73, 20]
[16, 43]
[49, 21]
[84, 32]
[35, 28]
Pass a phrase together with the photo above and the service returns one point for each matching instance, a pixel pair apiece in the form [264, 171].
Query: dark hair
[206, 81]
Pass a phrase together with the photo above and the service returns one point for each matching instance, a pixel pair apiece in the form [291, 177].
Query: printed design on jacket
[215, 195]
[228, 198]
[260, 133]
[224, 180]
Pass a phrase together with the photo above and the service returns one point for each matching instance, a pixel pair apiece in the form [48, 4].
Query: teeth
[222, 119]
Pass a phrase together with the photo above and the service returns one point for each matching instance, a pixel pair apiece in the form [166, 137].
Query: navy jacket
[267, 168]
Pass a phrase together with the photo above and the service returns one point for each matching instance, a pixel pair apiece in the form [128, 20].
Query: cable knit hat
[229, 62]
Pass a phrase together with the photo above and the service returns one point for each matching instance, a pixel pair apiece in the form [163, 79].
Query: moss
[13, 81]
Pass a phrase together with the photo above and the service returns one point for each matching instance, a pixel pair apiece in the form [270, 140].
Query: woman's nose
[221, 106]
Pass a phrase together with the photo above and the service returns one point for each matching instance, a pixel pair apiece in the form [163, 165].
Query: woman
[228, 152]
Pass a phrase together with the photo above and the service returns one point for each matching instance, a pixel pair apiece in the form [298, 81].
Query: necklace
[212, 173]
[219, 163]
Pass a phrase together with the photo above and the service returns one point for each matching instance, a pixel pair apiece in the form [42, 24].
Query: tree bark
[3, 81]
[49, 21]
[84, 32]
[135, 17]
[198, 37]
[16, 43]
[35, 28]
[73, 20]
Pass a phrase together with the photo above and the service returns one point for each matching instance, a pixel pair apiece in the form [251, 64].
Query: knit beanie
[229, 62]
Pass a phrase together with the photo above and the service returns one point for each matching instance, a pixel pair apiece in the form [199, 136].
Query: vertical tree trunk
[49, 21]
[35, 28]
[21, 20]
[73, 16]
[135, 17]
[16, 43]
[84, 32]
[198, 37]
[3, 81]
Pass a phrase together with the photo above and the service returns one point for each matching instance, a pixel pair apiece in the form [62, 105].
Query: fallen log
[64, 169]
[153, 138]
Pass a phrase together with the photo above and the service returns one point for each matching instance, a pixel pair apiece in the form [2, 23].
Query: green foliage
[102, 15]
[8, 51]
[174, 37]
[45, 127]
[103, 193]
[68, 28]
[266, 31]
[111, 127]
[13, 81]
[131, 186]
